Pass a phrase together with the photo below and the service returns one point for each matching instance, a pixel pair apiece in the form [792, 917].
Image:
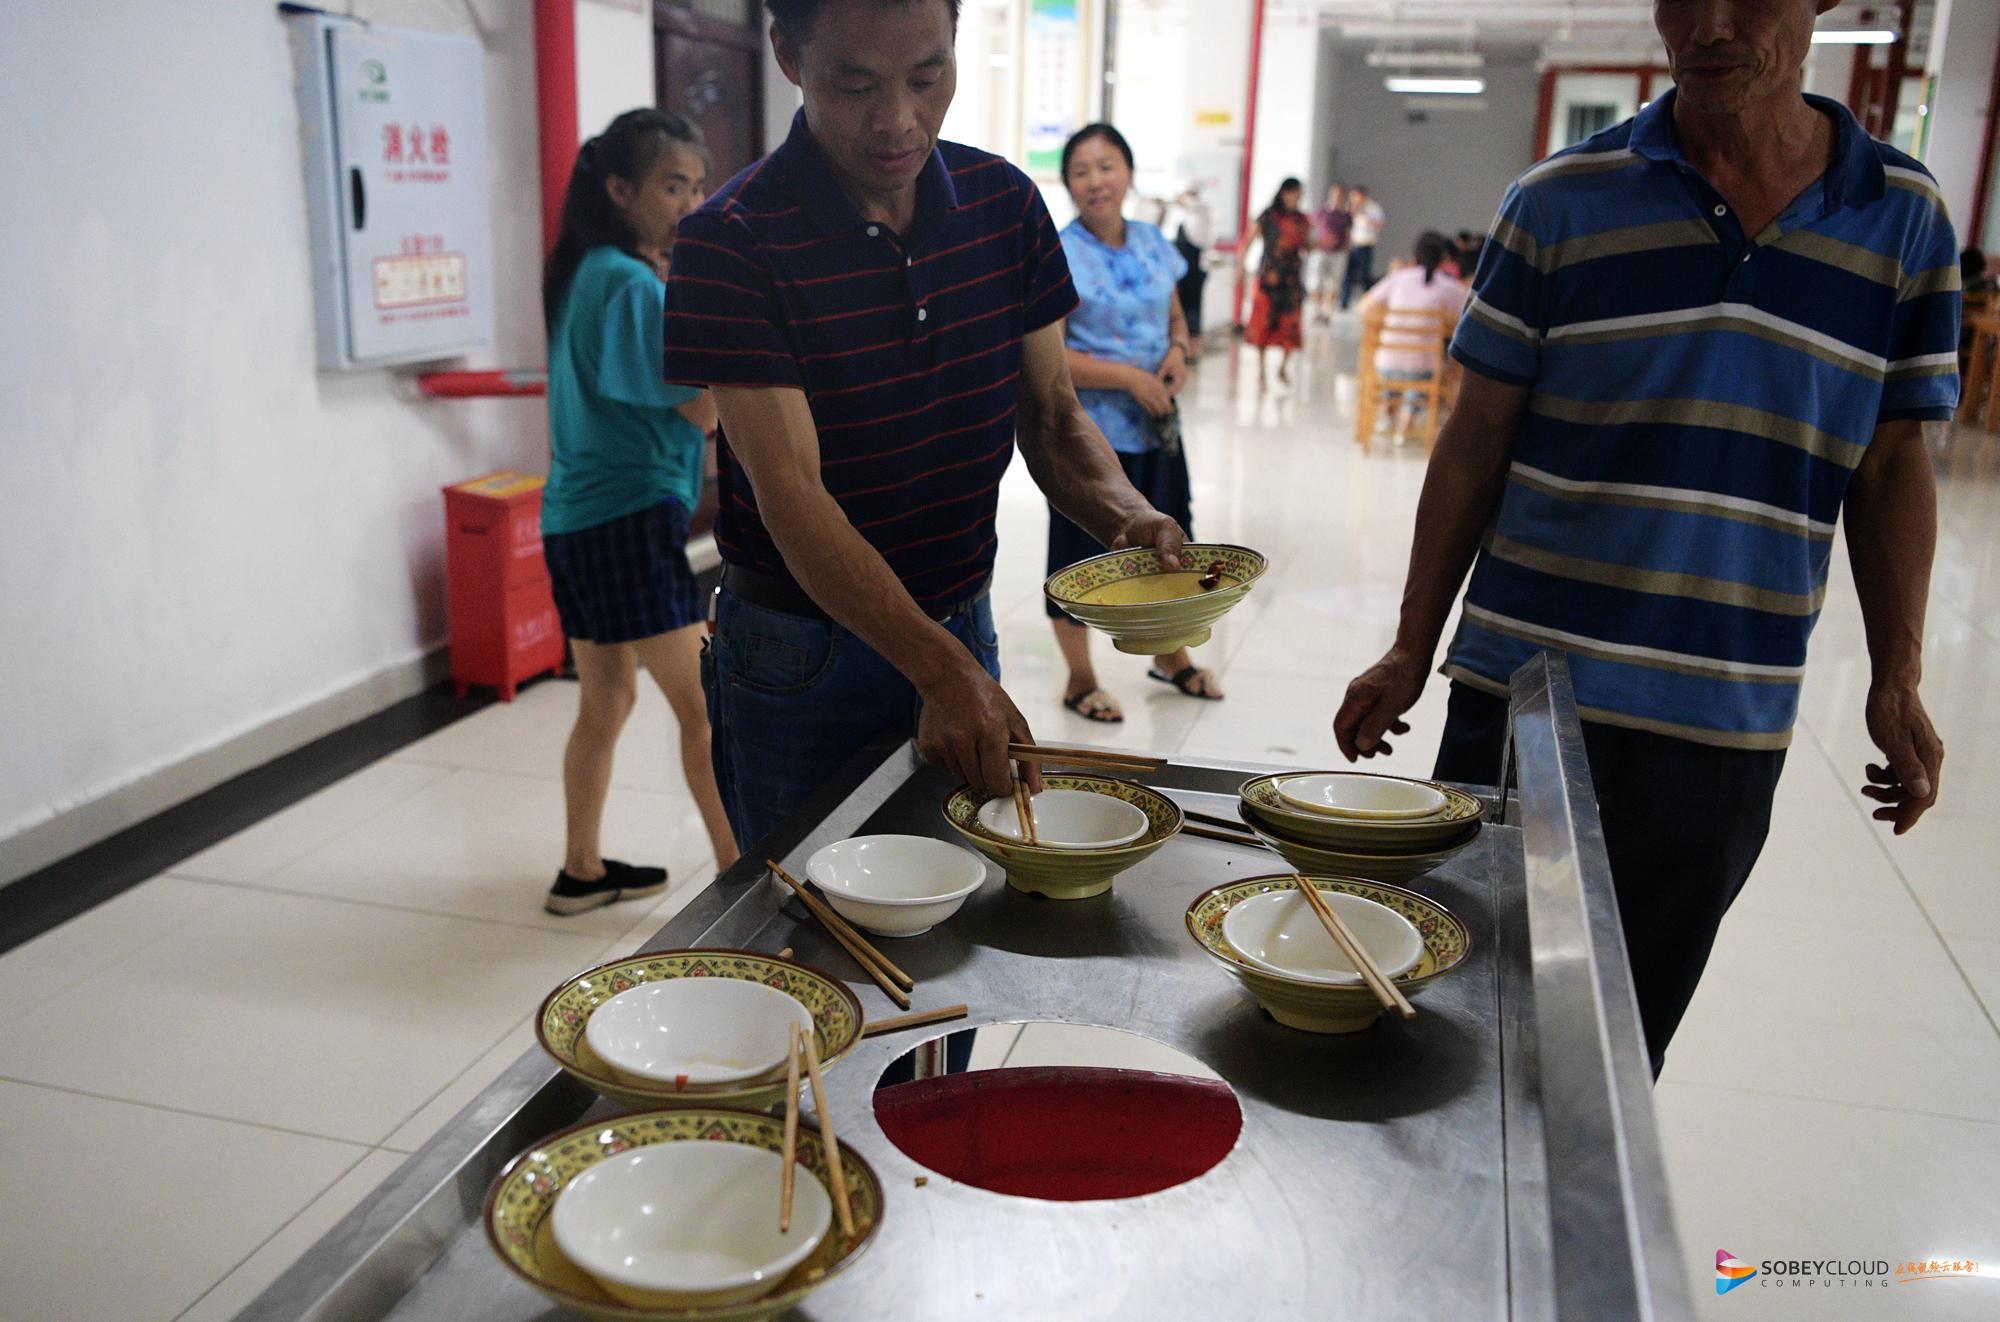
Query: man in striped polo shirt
[879, 314]
[1692, 340]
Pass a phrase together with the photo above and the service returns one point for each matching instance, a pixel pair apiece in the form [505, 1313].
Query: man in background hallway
[1363, 234]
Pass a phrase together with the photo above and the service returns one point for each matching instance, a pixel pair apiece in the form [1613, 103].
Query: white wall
[1447, 173]
[1964, 45]
[1285, 82]
[614, 42]
[204, 533]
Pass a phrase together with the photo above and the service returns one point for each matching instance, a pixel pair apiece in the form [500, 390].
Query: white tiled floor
[242, 1035]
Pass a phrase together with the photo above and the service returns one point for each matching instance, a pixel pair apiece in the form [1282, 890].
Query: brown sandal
[1104, 711]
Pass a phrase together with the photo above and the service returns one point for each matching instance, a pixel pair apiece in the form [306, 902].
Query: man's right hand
[1375, 703]
[968, 721]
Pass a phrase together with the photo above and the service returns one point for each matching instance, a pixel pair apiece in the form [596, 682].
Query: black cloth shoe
[621, 881]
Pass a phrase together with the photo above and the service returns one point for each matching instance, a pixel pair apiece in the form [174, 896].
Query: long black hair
[1278, 198]
[1431, 252]
[629, 148]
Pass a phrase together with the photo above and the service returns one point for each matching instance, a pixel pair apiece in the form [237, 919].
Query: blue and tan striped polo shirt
[1698, 400]
[907, 346]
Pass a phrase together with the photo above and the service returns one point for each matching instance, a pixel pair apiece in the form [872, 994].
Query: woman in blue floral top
[1129, 354]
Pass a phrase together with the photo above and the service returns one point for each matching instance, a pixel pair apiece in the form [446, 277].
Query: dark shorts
[627, 579]
[1160, 477]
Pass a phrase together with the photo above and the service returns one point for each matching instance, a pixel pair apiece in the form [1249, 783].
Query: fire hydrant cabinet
[393, 133]
[504, 626]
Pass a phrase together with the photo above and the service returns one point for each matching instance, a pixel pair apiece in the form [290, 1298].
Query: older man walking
[1693, 341]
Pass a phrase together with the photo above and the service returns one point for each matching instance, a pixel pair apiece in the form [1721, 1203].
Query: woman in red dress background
[1275, 314]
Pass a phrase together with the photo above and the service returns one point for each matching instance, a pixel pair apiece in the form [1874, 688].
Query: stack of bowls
[1355, 824]
[1304, 989]
[694, 1044]
[673, 1214]
[1085, 850]
[1148, 611]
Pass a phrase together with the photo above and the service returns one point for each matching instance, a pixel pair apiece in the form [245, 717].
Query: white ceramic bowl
[1069, 819]
[896, 885]
[695, 1030]
[1279, 933]
[681, 1225]
[1362, 797]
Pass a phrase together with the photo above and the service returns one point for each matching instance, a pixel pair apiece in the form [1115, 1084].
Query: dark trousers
[1683, 823]
[1360, 274]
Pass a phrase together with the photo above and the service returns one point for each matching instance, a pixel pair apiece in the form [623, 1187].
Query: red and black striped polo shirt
[908, 347]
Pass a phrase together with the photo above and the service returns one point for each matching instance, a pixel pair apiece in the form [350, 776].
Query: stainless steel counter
[1479, 1161]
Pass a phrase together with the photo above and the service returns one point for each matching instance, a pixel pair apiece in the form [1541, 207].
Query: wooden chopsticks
[878, 966]
[917, 1020]
[1385, 990]
[1220, 823]
[1098, 758]
[1024, 807]
[826, 1135]
[1227, 837]
[791, 1149]
[801, 1044]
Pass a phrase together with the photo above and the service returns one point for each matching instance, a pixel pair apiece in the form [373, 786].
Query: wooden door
[712, 72]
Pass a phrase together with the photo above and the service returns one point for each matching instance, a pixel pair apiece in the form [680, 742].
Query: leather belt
[771, 593]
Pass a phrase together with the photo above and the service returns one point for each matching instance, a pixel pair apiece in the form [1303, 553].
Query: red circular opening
[1063, 1132]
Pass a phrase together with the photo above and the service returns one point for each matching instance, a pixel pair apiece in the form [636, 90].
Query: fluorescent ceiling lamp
[1438, 86]
[1836, 37]
[1429, 59]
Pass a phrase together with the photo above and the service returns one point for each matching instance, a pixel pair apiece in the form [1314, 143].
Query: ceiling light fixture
[1838, 37]
[1437, 86]
[1428, 59]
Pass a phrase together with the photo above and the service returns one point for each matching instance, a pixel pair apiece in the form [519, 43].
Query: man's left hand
[1908, 785]
[1156, 530]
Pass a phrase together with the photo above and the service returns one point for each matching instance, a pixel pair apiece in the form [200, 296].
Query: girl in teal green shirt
[625, 471]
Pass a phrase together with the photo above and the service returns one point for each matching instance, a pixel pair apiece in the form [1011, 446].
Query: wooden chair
[1424, 332]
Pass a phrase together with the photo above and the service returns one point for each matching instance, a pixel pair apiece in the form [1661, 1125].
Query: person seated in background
[1420, 288]
[1129, 355]
[625, 472]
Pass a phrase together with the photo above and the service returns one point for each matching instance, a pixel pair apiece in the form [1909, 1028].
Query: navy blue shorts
[627, 579]
[1161, 477]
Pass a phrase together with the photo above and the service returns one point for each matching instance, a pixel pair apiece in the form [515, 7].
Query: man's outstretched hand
[1907, 785]
[1375, 704]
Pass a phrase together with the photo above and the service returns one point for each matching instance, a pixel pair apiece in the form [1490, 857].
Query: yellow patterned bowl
[1146, 610]
[565, 1014]
[1068, 874]
[1318, 1007]
[521, 1203]
[1397, 866]
[1265, 807]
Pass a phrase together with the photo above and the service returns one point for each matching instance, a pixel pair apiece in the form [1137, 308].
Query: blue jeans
[790, 699]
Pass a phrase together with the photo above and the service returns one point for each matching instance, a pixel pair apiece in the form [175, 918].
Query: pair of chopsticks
[892, 980]
[1219, 828]
[1024, 805]
[1095, 758]
[876, 1027]
[802, 1044]
[1343, 936]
